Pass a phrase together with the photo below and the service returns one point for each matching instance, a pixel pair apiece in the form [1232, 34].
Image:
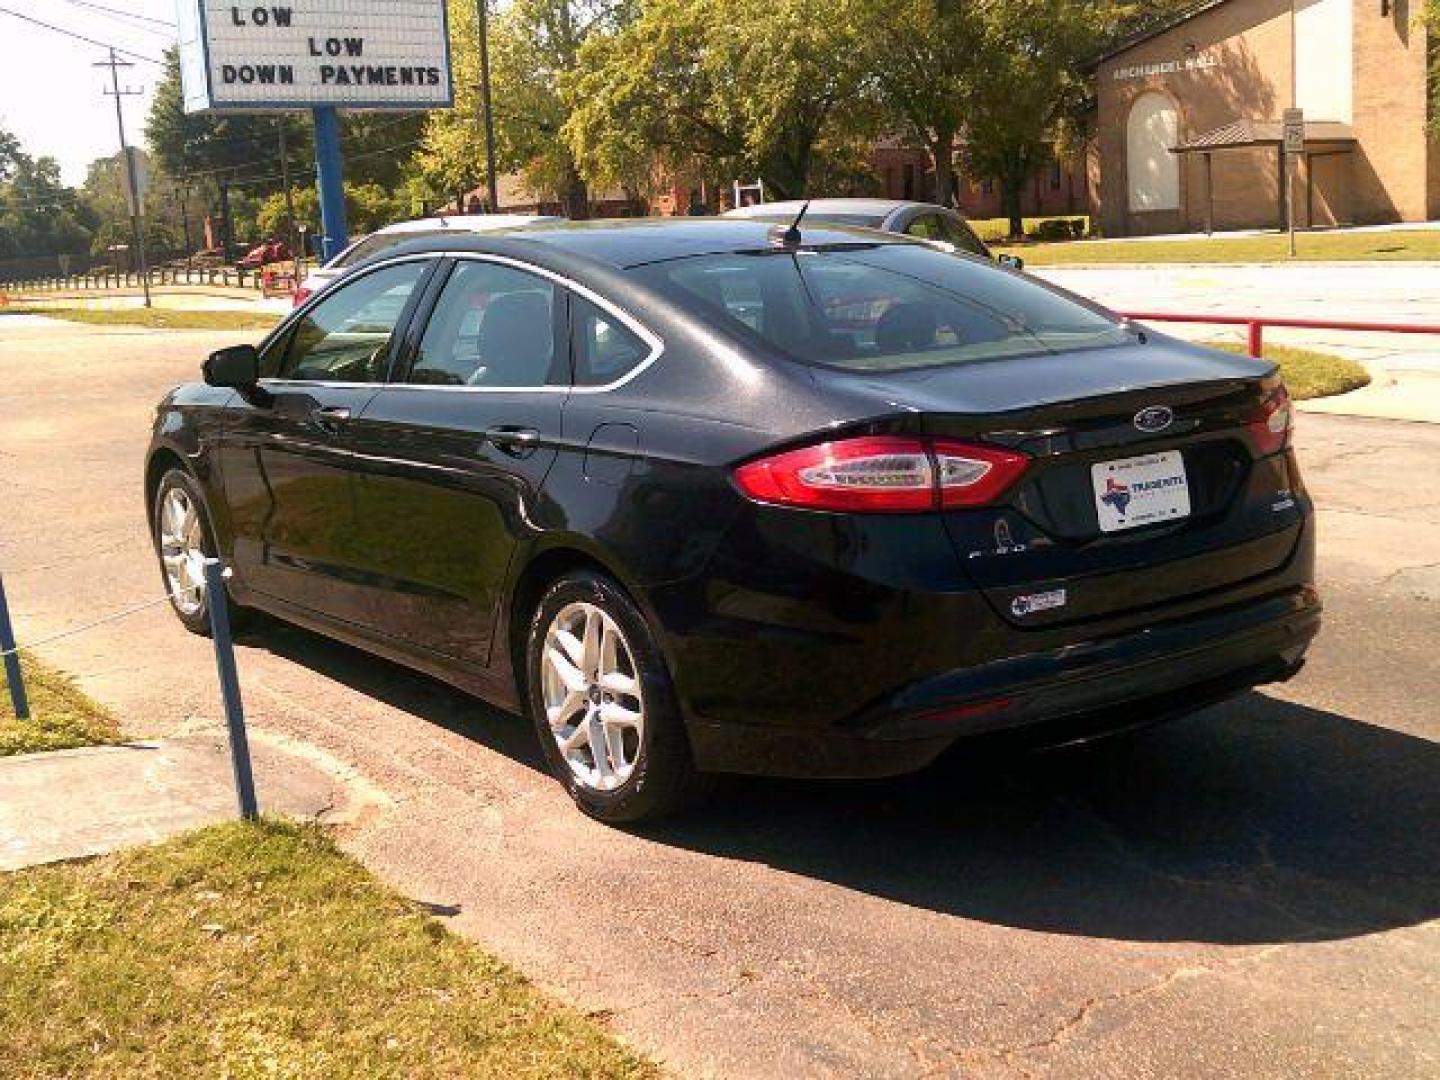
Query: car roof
[880, 208]
[629, 242]
[468, 223]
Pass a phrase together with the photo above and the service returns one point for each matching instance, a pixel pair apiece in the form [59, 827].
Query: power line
[123, 14]
[80, 37]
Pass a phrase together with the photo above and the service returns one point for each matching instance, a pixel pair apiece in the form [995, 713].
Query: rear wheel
[603, 705]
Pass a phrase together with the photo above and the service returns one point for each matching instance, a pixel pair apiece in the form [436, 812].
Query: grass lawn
[61, 716]
[157, 318]
[1309, 374]
[1318, 246]
[260, 950]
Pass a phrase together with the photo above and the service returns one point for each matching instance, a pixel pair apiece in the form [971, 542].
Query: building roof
[1156, 30]
[1242, 134]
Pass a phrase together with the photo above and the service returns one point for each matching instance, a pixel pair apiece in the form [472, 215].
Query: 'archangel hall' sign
[300, 54]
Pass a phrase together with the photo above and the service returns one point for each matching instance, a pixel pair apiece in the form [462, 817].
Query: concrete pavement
[1251, 892]
[1404, 368]
[73, 803]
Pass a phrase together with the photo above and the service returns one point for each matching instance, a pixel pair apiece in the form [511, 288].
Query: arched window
[1154, 172]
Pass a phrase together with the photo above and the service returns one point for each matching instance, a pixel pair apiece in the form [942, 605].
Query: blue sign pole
[12, 660]
[230, 689]
[329, 176]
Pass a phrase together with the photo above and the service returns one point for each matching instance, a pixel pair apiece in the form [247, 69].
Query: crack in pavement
[1067, 1028]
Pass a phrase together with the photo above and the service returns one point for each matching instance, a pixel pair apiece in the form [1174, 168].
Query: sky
[51, 98]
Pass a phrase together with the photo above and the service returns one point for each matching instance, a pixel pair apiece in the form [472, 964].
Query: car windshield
[380, 241]
[889, 307]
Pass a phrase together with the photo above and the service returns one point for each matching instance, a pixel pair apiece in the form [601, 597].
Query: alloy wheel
[592, 696]
[182, 550]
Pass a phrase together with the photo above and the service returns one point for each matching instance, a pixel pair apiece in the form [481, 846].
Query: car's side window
[961, 235]
[346, 336]
[493, 326]
[926, 227]
[605, 349]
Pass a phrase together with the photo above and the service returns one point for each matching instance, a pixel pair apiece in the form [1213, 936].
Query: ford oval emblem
[1154, 418]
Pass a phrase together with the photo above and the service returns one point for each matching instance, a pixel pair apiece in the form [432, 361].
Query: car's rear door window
[346, 336]
[493, 327]
[883, 307]
[605, 349]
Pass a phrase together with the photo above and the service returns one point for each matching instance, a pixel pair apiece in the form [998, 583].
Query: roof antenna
[790, 237]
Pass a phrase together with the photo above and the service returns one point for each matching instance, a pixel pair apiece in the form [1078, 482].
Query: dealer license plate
[1141, 490]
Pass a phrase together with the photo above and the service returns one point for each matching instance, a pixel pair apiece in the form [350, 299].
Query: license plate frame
[1148, 489]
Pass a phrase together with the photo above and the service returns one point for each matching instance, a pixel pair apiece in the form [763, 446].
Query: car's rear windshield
[887, 307]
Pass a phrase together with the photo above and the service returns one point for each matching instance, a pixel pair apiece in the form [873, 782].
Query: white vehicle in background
[401, 231]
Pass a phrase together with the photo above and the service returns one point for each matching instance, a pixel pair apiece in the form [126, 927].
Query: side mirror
[237, 367]
[1012, 262]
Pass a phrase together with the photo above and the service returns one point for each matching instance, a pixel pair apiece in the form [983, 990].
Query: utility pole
[482, 14]
[289, 200]
[137, 230]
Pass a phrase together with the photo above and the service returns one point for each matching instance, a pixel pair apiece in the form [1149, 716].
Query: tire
[179, 484]
[647, 771]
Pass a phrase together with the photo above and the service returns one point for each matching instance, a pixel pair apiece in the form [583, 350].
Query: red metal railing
[1255, 325]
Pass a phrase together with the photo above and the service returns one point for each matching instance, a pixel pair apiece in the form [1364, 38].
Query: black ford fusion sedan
[707, 496]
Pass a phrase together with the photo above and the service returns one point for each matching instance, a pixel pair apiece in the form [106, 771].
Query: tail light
[880, 474]
[301, 295]
[1270, 428]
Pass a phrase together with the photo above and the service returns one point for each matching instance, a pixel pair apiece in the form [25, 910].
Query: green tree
[921, 56]
[534, 46]
[1029, 84]
[39, 215]
[746, 87]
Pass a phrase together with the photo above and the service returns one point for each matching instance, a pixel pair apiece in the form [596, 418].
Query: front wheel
[603, 705]
[183, 541]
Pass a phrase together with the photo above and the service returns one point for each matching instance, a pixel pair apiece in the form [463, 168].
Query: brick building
[1058, 187]
[1188, 119]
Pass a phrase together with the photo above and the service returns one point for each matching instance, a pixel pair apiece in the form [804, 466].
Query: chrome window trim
[656, 343]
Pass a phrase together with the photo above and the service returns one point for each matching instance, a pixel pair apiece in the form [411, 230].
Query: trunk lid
[1052, 551]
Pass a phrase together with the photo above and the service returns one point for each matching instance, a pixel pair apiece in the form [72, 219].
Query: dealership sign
[302, 54]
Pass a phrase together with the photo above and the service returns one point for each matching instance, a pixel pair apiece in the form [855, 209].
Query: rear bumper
[1073, 691]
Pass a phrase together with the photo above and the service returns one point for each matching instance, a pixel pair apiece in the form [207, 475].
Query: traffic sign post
[1293, 145]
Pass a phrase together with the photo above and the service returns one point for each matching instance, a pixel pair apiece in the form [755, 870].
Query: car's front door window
[346, 336]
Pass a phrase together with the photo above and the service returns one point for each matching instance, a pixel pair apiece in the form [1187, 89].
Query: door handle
[330, 416]
[513, 440]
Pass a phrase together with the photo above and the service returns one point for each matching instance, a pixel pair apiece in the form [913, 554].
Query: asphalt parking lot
[1249, 892]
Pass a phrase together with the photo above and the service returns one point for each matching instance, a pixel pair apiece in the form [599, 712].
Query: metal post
[1257, 339]
[492, 184]
[230, 688]
[329, 177]
[12, 660]
[1209, 194]
[1289, 160]
[291, 236]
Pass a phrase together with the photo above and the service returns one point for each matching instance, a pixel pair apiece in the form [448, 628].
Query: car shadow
[402, 688]
[1255, 821]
